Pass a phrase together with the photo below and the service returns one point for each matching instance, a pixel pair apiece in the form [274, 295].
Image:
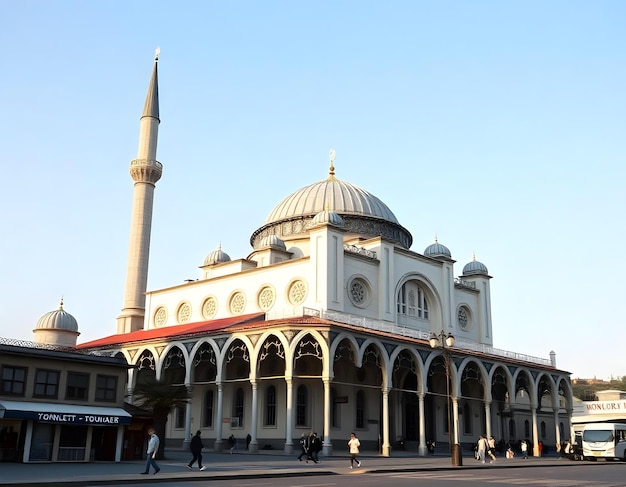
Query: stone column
[557, 431]
[218, 419]
[254, 444]
[533, 410]
[327, 447]
[386, 446]
[422, 425]
[289, 417]
[488, 419]
[188, 410]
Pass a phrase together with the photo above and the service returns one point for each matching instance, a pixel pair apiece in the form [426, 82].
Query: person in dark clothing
[315, 446]
[303, 447]
[196, 447]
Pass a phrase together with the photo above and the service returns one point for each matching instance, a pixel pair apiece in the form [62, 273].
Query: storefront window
[41, 445]
[72, 443]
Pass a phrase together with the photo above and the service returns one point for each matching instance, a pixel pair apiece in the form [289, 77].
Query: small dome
[272, 241]
[437, 250]
[475, 268]
[216, 257]
[328, 217]
[57, 320]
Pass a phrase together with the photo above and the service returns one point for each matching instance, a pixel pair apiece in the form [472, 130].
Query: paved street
[224, 466]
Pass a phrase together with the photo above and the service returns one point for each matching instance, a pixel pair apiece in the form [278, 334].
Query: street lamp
[444, 342]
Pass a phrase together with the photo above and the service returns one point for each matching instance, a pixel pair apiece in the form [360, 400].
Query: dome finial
[331, 169]
[474, 257]
[436, 241]
[61, 304]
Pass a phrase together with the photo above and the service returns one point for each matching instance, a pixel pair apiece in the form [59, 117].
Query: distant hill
[586, 389]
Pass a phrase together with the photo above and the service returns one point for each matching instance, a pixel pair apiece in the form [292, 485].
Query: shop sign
[69, 418]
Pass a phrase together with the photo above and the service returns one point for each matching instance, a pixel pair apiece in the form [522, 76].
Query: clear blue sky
[497, 126]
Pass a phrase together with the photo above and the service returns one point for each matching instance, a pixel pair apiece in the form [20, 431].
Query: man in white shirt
[153, 448]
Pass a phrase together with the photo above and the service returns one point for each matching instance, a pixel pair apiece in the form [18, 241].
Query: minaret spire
[145, 171]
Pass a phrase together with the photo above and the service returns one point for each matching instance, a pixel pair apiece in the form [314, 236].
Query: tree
[160, 399]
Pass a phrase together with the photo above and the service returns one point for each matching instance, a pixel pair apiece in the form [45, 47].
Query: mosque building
[332, 324]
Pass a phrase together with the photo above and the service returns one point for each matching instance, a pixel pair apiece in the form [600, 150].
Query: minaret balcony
[146, 170]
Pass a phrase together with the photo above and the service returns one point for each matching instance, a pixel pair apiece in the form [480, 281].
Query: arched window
[270, 406]
[360, 409]
[412, 301]
[207, 414]
[526, 429]
[179, 420]
[542, 427]
[238, 408]
[511, 429]
[302, 401]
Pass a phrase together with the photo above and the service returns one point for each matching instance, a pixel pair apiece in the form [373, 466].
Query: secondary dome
[363, 213]
[437, 250]
[272, 241]
[217, 257]
[329, 217]
[57, 320]
[475, 268]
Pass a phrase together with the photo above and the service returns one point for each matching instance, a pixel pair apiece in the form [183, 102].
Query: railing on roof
[404, 331]
[46, 346]
[463, 283]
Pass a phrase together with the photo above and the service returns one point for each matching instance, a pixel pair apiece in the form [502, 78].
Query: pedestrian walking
[196, 447]
[303, 449]
[430, 446]
[354, 445]
[491, 448]
[540, 448]
[524, 448]
[316, 447]
[232, 442]
[153, 448]
[481, 448]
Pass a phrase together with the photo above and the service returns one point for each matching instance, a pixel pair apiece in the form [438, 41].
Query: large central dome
[332, 194]
[363, 213]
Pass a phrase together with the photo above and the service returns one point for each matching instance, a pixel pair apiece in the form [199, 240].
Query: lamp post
[444, 342]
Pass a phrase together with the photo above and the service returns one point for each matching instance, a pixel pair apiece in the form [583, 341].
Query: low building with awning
[58, 404]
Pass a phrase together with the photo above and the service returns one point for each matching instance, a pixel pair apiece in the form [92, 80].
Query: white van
[604, 440]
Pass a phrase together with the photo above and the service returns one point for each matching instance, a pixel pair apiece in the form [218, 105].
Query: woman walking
[354, 445]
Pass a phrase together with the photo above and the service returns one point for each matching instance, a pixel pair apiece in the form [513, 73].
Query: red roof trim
[170, 331]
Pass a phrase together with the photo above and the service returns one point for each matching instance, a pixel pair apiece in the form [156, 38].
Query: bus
[604, 440]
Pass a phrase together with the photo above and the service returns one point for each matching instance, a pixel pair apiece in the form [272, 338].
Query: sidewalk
[242, 465]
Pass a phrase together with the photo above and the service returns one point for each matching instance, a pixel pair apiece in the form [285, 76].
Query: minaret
[145, 171]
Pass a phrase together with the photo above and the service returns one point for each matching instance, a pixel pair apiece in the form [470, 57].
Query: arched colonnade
[276, 383]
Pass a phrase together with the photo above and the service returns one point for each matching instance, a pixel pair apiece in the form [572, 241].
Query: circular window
[464, 318]
[266, 298]
[209, 308]
[160, 316]
[297, 292]
[184, 312]
[359, 292]
[237, 303]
